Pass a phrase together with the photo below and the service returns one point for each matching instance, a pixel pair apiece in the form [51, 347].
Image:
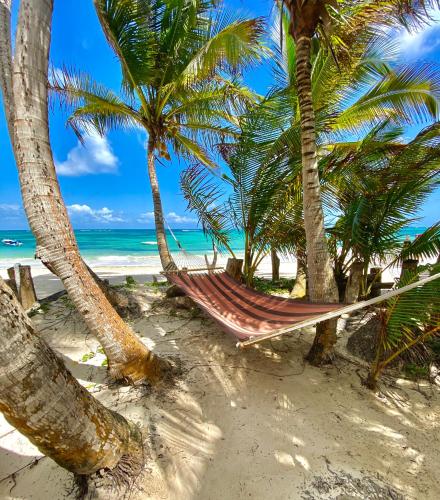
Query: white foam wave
[149, 242]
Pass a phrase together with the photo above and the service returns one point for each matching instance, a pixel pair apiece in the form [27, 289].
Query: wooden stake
[26, 293]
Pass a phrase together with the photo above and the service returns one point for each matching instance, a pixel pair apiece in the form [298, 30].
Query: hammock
[252, 316]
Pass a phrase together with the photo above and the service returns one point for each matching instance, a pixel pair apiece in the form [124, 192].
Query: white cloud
[145, 217]
[171, 217]
[421, 41]
[103, 215]
[94, 157]
[179, 219]
[9, 207]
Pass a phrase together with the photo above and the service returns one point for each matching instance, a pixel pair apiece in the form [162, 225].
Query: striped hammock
[251, 316]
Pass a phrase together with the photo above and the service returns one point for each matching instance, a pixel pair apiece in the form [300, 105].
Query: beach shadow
[248, 423]
[32, 476]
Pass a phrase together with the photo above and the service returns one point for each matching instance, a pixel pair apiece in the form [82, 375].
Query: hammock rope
[186, 261]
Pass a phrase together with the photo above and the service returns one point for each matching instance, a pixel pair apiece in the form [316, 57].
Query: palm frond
[206, 199]
[410, 313]
[95, 106]
[233, 44]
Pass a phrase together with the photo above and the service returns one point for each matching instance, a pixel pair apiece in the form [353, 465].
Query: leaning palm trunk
[162, 245]
[40, 398]
[322, 284]
[5, 59]
[128, 358]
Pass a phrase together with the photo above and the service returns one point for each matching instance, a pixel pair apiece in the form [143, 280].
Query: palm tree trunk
[322, 284]
[40, 398]
[353, 286]
[275, 260]
[128, 357]
[299, 290]
[164, 253]
[5, 62]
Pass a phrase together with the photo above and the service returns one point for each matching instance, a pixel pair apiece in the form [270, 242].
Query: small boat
[12, 243]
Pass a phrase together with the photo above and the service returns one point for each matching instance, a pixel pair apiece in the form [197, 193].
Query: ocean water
[125, 247]
[118, 247]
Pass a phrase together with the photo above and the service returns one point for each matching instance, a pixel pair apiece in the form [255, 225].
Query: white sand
[254, 424]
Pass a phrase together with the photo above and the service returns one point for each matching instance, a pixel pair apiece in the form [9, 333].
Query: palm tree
[128, 357]
[383, 186]
[5, 57]
[41, 398]
[308, 18]
[265, 162]
[172, 56]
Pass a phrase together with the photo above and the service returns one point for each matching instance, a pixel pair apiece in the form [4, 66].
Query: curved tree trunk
[322, 284]
[162, 245]
[5, 63]
[40, 398]
[128, 357]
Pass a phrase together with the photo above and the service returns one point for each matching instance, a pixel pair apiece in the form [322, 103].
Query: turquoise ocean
[117, 247]
[125, 247]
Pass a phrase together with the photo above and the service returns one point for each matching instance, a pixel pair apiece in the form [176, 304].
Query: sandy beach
[257, 423]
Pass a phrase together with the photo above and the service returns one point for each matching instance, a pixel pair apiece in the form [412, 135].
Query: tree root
[110, 483]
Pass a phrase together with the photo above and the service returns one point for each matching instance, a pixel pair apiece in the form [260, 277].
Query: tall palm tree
[265, 162]
[172, 56]
[41, 398]
[129, 359]
[307, 19]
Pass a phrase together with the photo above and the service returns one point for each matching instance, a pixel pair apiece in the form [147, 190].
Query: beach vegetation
[130, 282]
[407, 321]
[283, 286]
[175, 59]
[359, 119]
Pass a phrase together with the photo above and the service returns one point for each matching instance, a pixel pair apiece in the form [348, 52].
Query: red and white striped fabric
[242, 311]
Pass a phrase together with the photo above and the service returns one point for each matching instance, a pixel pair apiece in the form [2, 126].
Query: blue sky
[105, 183]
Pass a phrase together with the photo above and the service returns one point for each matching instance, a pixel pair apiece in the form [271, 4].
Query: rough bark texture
[275, 265]
[128, 358]
[40, 398]
[162, 245]
[5, 63]
[353, 286]
[299, 290]
[26, 293]
[234, 268]
[321, 281]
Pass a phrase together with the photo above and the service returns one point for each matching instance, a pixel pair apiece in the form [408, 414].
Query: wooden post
[375, 275]
[26, 292]
[408, 265]
[12, 282]
[275, 265]
[352, 287]
[234, 267]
